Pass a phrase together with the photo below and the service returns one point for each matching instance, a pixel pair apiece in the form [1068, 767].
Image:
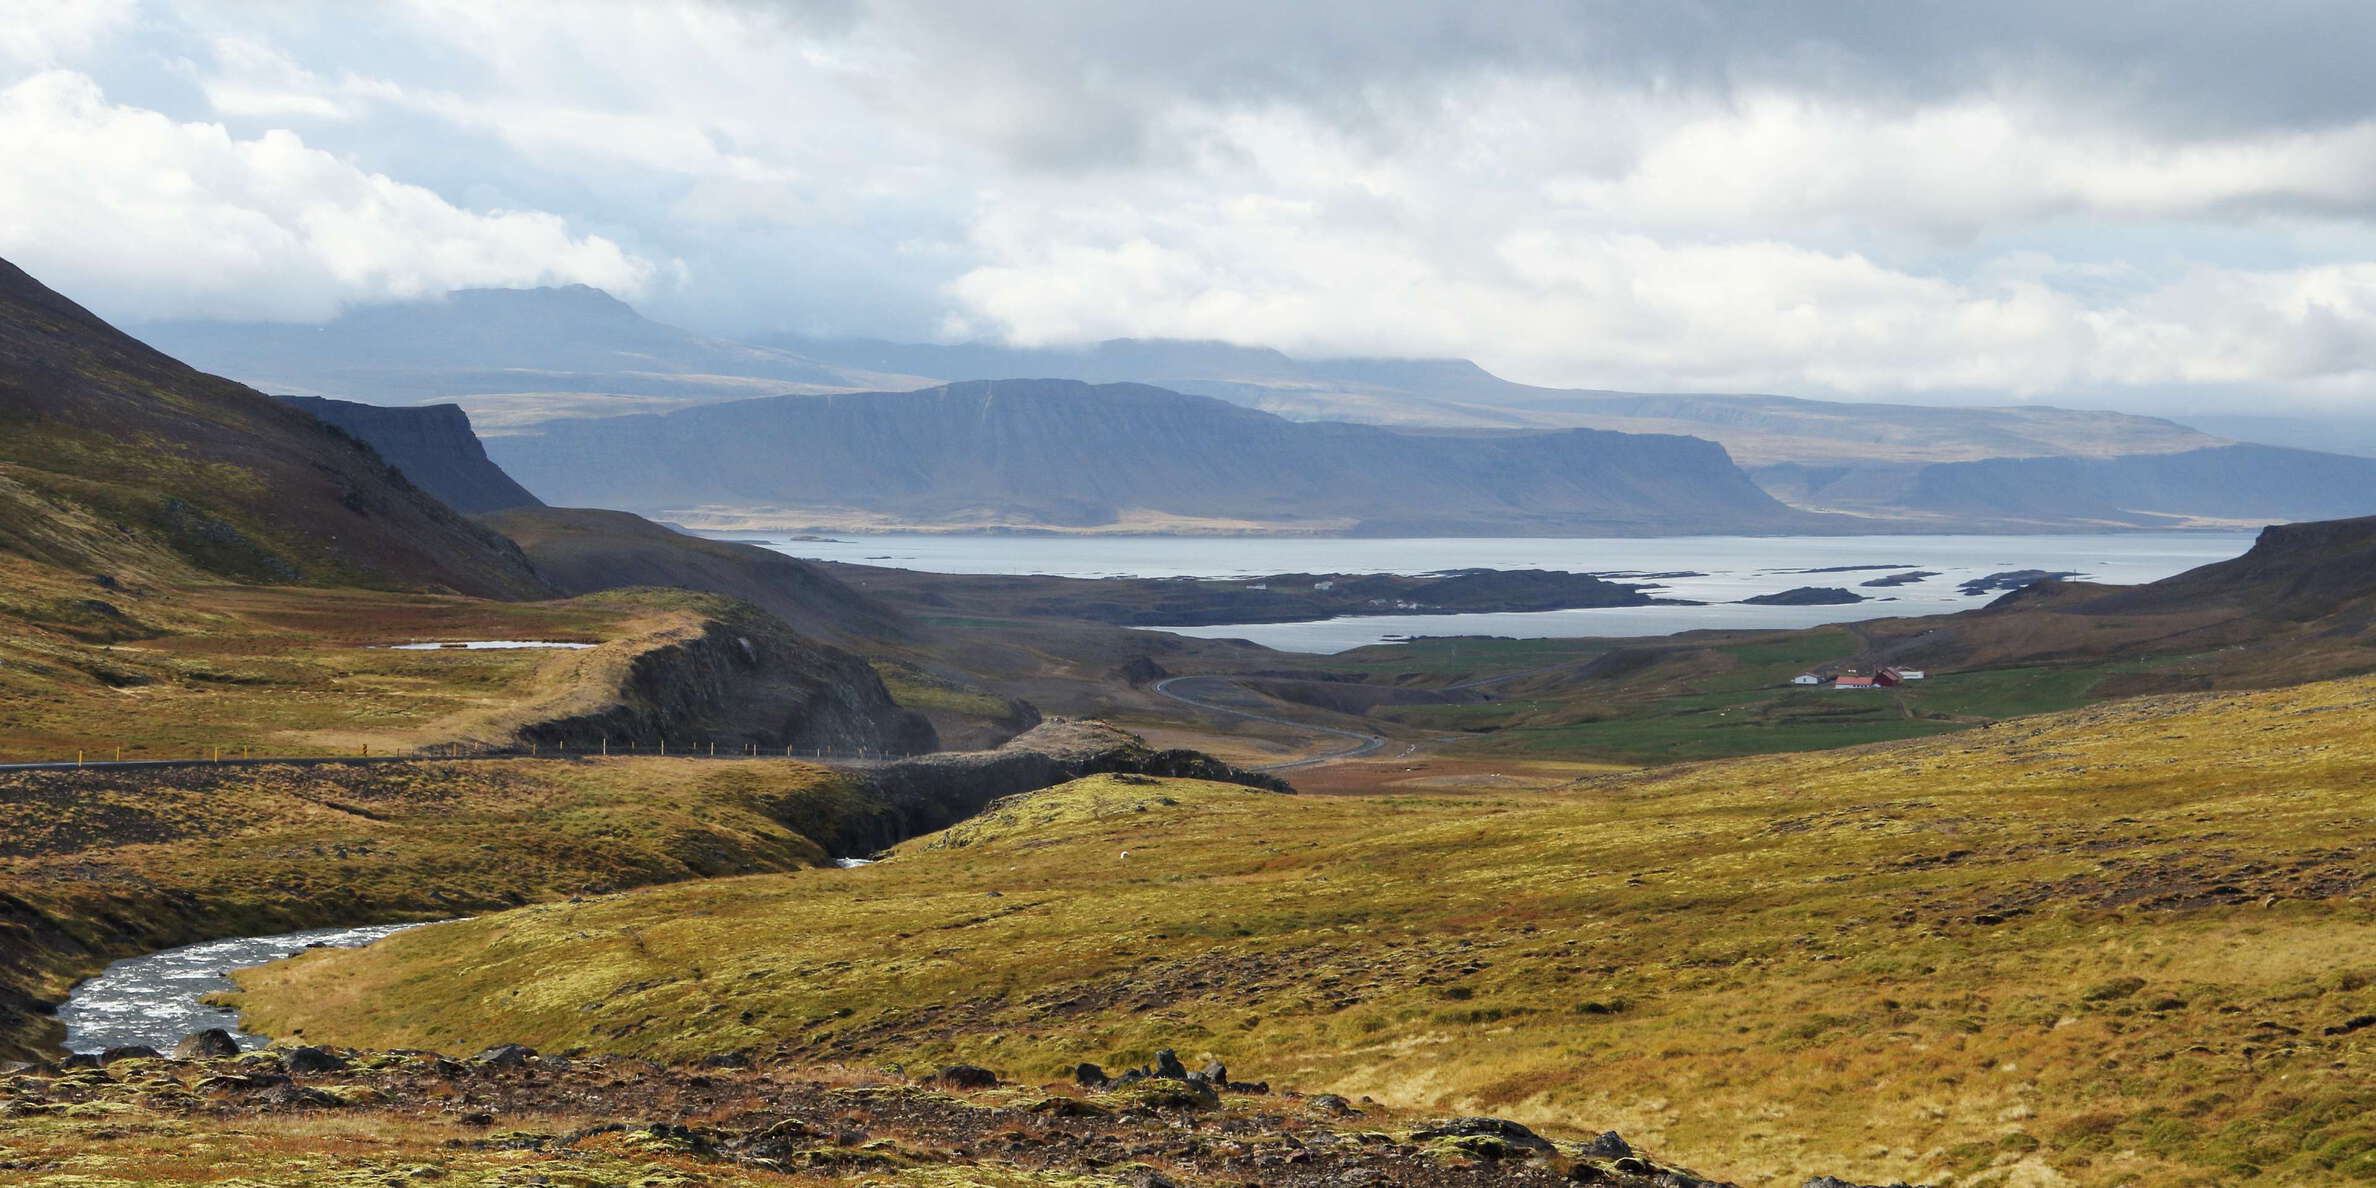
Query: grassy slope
[96, 864]
[2102, 947]
[299, 672]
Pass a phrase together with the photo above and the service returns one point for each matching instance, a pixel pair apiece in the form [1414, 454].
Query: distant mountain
[505, 354]
[2340, 434]
[114, 457]
[1065, 455]
[433, 445]
[1456, 393]
[2252, 483]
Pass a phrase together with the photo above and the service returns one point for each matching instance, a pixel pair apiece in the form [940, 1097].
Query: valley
[2084, 904]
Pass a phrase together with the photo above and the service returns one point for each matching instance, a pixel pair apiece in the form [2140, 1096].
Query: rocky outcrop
[1059, 453]
[918, 796]
[743, 679]
[433, 444]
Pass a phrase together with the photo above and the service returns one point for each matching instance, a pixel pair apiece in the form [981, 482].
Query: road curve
[1363, 744]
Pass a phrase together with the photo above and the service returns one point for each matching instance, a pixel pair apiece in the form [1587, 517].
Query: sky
[2162, 206]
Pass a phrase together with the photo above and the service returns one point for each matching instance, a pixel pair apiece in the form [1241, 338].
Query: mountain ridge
[1064, 455]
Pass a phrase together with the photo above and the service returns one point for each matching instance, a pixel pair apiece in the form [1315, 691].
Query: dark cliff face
[1060, 453]
[746, 680]
[433, 445]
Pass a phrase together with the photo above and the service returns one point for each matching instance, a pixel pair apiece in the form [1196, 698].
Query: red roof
[1855, 682]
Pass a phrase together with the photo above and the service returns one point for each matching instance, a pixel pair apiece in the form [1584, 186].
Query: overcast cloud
[2154, 206]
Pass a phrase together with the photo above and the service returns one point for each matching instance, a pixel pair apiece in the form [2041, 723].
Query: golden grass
[179, 673]
[2101, 947]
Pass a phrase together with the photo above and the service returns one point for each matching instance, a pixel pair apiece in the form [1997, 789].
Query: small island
[1807, 596]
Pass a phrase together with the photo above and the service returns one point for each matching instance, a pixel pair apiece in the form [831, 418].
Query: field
[2126, 945]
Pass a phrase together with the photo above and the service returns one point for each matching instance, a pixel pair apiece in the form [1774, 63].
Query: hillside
[432, 444]
[115, 458]
[1063, 455]
[2125, 945]
[582, 551]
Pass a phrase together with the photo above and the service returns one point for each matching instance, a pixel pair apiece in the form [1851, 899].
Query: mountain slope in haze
[2237, 482]
[505, 353]
[433, 445]
[112, 454]
[1060, 454]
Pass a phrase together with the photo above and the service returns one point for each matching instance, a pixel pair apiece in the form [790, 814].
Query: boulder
[130, 1052]
[968, 1076]
[1505, 1131]
[1330, 1103]
[1217, 1073]
[506, 1056]
[1089, 1076]
[214, 1043]
[309, 1060]
[1168, 1066]
[1606, 1145]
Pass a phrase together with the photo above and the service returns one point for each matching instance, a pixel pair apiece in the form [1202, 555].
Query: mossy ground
[97, 864]
[2122, 945]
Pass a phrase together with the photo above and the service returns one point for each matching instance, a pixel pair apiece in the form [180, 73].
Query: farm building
[1855, 682]
[1903, 673]
[1806, 678]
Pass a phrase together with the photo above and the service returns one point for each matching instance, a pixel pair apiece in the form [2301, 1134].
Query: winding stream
[153, 999]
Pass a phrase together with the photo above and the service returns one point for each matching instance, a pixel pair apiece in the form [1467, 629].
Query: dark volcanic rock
[506, 1056]
[214, 1041]
[1807, 596]
[129, 1052]
[312, 1060]
[968, 1076]
[1513, 1136]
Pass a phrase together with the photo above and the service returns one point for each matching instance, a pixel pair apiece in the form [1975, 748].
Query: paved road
[327, 760]
[1363, 744]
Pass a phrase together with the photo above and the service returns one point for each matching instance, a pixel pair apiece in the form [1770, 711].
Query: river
[1725, 568]
[154, 999]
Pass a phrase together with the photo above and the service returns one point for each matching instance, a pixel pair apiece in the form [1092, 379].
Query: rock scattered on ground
[609, 1119]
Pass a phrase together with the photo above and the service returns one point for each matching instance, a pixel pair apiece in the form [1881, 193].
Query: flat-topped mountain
[1068, 456]
[1758, 430]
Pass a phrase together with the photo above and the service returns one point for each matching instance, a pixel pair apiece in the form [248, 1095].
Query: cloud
[184, 219]
[2033, 200]
[35, 33]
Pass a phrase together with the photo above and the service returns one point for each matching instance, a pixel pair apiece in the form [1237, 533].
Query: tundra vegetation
[2125, 944]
